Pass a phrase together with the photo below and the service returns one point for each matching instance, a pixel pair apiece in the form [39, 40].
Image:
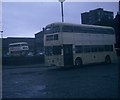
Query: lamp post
[62, 9]
[119, 7]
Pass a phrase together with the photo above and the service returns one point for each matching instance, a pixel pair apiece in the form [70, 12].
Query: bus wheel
[107, 59]
[78, 62]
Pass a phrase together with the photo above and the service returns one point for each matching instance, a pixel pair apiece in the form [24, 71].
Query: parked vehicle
[18, 49]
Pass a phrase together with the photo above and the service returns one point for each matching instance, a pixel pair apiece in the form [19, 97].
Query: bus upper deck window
[56, 29]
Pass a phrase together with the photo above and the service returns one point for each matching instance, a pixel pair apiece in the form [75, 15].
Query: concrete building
[96, 16]
[7, 41]
[117, 30]
[39, 42]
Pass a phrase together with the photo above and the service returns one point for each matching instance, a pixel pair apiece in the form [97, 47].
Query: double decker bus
[18, 49]
[78, 44]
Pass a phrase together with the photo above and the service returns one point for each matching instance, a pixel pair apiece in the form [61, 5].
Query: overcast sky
[24, 19]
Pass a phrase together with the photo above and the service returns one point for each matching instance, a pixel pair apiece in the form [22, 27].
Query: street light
[62, 9]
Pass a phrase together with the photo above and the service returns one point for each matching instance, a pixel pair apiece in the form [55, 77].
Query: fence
[22, 60]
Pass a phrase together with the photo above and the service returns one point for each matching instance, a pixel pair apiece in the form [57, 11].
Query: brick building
[7, 41]
[96, 16]
[39, 42]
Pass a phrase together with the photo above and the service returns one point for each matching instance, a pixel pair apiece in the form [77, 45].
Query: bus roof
[18, 43]
[81, 25]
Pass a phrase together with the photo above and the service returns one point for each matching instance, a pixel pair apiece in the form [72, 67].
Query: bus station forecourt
[80, 62]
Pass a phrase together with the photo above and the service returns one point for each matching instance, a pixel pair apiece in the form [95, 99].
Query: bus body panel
[91, 40]
[56, 60]
[95, 57]
[87, 39]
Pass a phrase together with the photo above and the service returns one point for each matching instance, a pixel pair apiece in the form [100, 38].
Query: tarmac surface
[37, 81]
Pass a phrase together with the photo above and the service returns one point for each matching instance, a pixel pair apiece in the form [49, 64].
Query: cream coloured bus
[18, 49]
[77, 44]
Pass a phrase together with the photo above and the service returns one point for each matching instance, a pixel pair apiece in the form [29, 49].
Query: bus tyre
[78, 62]
[107, 59]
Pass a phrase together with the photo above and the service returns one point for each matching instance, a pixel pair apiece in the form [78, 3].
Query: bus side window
[78, 49]
[108, 48]
[67, 28]
[94, 48]
[56, 37]
[86, 49]
[56, 29]
[111, 47]
[100, 48]
[76, 29]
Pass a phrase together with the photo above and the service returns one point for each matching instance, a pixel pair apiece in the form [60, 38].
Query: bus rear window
[56, 29]
[49, 37]
[57, 50]
[48, 50]
[52, 37]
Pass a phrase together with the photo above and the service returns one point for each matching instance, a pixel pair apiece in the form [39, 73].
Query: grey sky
[24, 19]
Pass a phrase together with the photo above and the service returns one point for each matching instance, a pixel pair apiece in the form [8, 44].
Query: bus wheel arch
[78, 62]
[107, 59]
